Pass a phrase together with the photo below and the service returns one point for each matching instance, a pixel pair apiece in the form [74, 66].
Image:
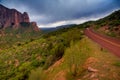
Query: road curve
[111, 44]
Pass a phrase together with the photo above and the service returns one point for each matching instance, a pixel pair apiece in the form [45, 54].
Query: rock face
[12, 17]
[35, 28]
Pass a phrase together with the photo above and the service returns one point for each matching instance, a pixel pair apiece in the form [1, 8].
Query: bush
[37, 74]
[117, 64]
[76, 56]
[35, 63]
[114, 23]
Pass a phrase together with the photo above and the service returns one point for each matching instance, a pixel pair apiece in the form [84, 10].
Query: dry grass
[103, 61]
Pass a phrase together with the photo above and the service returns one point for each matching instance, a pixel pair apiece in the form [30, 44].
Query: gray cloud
[51, 11]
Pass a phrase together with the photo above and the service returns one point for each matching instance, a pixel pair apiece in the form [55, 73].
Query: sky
[52, 13]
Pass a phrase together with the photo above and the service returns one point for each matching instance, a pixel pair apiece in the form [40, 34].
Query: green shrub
[114, 23]
[76, 56]
[112, 34]
[117, 64]
[35, 63]
[37, 74]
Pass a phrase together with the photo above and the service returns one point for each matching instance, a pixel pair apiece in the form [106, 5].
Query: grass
[104, 61]
[37, 74]
[75, 57]
[117, 64]
[82, 54]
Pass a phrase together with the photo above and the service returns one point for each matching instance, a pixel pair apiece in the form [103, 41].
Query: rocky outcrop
[12, 17]
[25, 17]
[35, 27]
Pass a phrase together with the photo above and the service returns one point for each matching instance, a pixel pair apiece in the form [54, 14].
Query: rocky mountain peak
[26, 17]
[12, 17]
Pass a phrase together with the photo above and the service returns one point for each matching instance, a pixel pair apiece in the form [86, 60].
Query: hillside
[109, 25]
[19, 59]
[16, 28]
[84, 60]
[64, 54]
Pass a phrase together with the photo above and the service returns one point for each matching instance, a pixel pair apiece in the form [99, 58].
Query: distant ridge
[56, 28]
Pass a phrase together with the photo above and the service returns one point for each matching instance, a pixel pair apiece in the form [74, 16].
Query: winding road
[111, 44]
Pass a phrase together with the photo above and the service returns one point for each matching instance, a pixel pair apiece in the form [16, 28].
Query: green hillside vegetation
[10, 37]
[77, 60]
[26, 54]
[84, 54]
[109, 25]
[20, 57]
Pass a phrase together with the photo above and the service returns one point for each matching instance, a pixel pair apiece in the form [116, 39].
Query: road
[111, 44]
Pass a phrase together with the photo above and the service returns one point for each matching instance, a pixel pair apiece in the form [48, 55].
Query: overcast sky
[51, 13]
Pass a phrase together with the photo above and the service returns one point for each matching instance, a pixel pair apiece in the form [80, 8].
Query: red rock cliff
[10, 17]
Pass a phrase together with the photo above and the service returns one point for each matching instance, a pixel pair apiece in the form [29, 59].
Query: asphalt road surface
[111, 44]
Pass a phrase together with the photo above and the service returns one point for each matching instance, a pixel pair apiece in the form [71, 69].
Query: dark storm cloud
[50, 11]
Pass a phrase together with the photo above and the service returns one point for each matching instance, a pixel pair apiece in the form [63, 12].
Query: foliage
[23, 51]
[117, 64]
[114, 23]
[37, 74]
[76, 56]
[112, 34]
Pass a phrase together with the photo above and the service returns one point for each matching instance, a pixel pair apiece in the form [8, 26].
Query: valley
[88, 51]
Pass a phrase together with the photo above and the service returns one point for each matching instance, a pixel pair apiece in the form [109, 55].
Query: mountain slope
[84, 60]
[23, 56]
[62, 54]
[109, 25]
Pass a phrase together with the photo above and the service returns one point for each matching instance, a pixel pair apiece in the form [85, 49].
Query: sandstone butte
[12, 17]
